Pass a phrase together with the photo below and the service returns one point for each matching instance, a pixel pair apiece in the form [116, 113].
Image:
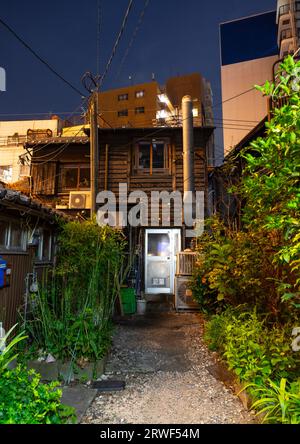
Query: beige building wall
[12, 136]
[243, 113]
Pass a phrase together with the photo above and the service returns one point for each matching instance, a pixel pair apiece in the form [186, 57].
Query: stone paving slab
[80, 397]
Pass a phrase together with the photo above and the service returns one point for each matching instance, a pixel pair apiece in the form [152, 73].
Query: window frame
[139, 112]
[123, 97]
[78, 166]
[137, 170]
[139, 94]
[40, 232]
[8, 236]
[123, 113]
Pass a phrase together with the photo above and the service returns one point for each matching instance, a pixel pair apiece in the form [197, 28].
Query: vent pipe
[188, 144]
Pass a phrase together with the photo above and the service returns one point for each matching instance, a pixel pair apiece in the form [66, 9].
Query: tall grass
[70, 316]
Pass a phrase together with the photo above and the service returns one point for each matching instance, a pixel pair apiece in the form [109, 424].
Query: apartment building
[288, 21]
[251, 47]
[13, 134]
[150, 104]
[249, 50]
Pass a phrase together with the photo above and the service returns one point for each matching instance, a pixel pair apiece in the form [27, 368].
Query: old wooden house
[142, 160]
[27, 250]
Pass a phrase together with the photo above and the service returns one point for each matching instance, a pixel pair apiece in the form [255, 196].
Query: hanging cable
[116, 43]
[37, 56]
[133, 37]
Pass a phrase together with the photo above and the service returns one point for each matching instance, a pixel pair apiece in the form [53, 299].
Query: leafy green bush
[259, 263]
[252, 349]
[278, 403]
[25, 400]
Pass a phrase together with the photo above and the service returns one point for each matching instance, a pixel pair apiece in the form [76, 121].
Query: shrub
[253, 350]
[70, 316]
[25, 400]
[278, 403]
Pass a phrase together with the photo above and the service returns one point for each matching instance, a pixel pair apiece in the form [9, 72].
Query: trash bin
[128, 300]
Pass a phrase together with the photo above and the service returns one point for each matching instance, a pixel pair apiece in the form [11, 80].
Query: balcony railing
[12, 140]
[174, 121]
[285, 9]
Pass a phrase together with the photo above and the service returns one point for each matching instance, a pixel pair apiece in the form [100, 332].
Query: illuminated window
[139, 94]
[122, 97]
[6, 173]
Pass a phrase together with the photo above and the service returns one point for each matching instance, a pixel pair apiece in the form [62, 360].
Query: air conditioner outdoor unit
[80, 200]
[183, 295]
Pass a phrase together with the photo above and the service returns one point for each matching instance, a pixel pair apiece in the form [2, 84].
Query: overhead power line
[133, 37]
[116, 42]
[98, 37]
[37, 56]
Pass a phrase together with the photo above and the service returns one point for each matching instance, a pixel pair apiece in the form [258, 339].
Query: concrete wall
[242, 114]
[10, 150]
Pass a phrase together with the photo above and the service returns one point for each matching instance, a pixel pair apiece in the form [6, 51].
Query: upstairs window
[122, 97]
[139, 94]
[140, 110]
[74, 177]
[151, 157]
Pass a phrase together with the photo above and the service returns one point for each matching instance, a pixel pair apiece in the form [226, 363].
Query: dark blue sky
[176, 37]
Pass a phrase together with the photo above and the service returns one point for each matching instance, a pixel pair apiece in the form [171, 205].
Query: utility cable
[116, 43]
[36, 55]
[140, 21]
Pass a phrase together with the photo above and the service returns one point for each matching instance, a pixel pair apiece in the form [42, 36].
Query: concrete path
[167, 369]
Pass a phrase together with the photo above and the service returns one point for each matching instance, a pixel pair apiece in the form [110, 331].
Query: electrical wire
[37, 56]
[140, 21]
[98, 37]
[116, 43]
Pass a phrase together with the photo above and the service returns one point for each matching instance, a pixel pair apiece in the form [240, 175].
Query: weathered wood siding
[12, 297]
[117, 163]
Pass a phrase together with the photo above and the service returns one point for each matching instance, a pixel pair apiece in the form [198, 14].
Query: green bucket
[128, 300]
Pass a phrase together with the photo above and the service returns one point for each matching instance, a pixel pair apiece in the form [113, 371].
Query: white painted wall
[9, 154]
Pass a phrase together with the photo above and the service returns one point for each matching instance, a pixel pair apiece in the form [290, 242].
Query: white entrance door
[161, 248]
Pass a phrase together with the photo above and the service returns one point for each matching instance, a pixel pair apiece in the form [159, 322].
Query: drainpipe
[188, 144]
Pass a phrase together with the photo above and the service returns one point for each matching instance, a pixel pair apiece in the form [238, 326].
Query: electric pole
[94, 150]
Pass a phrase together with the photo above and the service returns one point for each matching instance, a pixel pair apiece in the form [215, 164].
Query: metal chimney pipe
[188, 144]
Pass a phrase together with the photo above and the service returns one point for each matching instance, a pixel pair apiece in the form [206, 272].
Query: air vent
[80, 200]
[183, 295]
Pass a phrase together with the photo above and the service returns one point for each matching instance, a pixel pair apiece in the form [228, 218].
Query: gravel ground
[167, 370]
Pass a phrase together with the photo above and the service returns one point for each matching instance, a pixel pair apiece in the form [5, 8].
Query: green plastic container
[128, 300]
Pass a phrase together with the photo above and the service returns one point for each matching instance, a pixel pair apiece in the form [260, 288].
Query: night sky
[176, 37]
